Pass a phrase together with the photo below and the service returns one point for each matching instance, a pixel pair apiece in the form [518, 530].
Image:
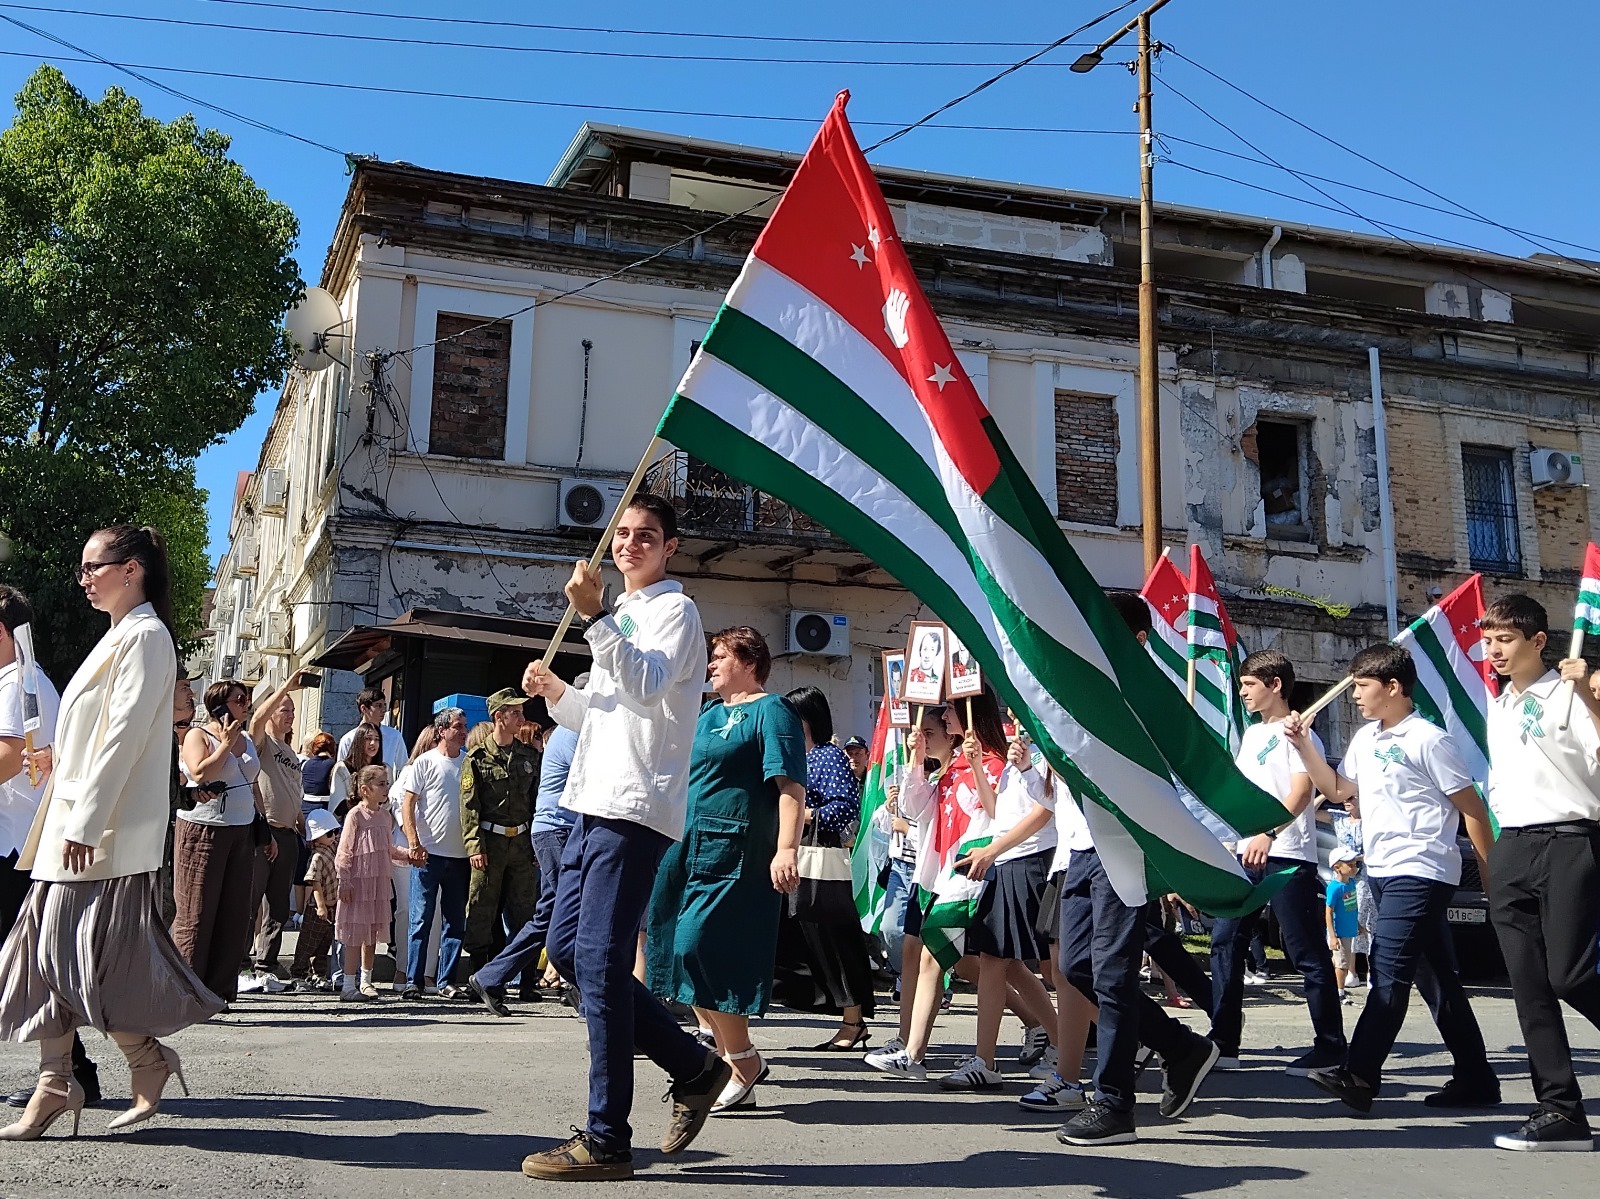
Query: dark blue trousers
[1102, 944]
[1299, 909]
[522, 951]
[1411, 932]
[607, 874]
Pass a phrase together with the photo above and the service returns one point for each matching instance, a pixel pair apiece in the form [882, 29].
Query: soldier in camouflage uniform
[498, 782]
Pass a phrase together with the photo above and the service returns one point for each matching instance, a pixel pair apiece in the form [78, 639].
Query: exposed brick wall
[1562, 514]
[1423, 481]
[1086, 458]
[471, 376]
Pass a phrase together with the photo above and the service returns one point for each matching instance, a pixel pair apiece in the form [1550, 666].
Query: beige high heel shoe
[54, 1097]
[149, 1075]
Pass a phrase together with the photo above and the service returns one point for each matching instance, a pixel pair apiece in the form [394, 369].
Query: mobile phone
[961, 864]
[310, 679]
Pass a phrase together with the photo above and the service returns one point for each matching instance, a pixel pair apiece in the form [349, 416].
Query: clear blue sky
[1483, 103]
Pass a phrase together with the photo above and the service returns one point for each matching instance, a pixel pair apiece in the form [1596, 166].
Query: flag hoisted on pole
[870, 854]
[1585, 616]
[1166, 594]
[1454, 680]
[827, 381]
[1214, 655]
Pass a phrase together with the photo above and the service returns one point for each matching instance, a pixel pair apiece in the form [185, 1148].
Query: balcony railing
[711, 504]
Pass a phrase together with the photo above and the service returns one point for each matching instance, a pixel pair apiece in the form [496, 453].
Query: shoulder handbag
[825, 894]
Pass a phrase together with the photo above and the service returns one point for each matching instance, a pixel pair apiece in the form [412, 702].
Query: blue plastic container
[475, 706]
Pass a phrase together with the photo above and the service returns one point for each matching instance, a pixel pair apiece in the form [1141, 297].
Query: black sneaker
[1098, 1124]
[579, 1159]
[481, 993]
[1455, 1093]
[410, 994]
[20, 1098]
[691, 1102]
[1345, 1087]
[1183, 1077]
[1303, 1065]
[1547, 1132]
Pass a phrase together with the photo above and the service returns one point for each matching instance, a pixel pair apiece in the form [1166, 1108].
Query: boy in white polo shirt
[1265, 757]
[1414, 793]
[1544, 788]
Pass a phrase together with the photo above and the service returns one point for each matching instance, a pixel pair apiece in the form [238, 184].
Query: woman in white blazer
[89, 947]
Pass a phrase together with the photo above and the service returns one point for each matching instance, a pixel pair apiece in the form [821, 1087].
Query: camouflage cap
[506, 697]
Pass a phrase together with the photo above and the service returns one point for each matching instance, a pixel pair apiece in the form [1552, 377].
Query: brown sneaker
[691, 1102]
[579, 1160]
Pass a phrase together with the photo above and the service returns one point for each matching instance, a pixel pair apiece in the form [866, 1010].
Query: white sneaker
[1055, 1094]
[899, 1064]
[971, 1074]
[1046, 1069]
[272, 984]
[1035, 1041]
[250, 983]
[895, 1045]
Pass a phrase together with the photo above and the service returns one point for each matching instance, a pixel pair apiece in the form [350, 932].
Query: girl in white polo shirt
[1414, 793]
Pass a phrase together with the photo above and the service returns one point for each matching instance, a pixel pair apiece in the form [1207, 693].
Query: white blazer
[111, 783]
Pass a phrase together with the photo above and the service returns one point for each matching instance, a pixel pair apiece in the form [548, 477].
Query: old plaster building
[417, 508]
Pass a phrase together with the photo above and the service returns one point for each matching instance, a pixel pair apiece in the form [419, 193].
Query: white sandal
[738, 1095]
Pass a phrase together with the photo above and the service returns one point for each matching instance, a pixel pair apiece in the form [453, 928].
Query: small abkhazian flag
[1214, 650]
[955, 898]
[871, 852]
[1454, 680]
[827, 381]
[1586, 612]
[1166, 594]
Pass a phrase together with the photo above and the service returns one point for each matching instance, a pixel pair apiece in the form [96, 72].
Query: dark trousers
[1545, 903]
[1102, 944]
[312, 946]
[1167, 950]
[1299, 907]
[522, 951]
[1411, 931]
[213, 873]
[508, 884]
[269, 896]
[607, 874]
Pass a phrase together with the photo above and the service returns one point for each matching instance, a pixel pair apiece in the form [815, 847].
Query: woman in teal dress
[712, 933]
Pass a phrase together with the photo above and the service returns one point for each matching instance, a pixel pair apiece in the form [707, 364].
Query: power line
[1422, 187]
[772, 39]
[134, 73]
[437, 43]
[423, 93]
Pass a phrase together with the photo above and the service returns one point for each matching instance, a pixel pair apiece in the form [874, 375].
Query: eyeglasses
[88, 568]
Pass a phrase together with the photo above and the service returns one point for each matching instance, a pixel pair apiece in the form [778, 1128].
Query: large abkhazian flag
[1214, 650]
[827, 381]
[1454, 680]
[1586, 612]
[870, 852]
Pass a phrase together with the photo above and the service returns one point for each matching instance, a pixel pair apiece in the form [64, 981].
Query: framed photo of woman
[894, 686]
[965, 677]
[927, 662]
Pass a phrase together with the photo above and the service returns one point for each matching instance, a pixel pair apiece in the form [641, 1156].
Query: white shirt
[1405, 776]
[19, 799]
[636, 719]
[1538, 772]
[1016, 797]
[436, 780]
[1268, 760]
[237, 805]
[1072, 830]
[395, 752]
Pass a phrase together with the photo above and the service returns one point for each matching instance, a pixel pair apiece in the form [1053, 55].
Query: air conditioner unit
[587, 503]
[274, 489]
[1556, 468]
[249, 666]
[230, 665]
[250, 630]
[277, 635]
[825, 633]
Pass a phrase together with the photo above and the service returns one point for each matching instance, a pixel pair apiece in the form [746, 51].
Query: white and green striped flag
[1215, 651]
[1454, 680]
[827, 381]
[1586, 612]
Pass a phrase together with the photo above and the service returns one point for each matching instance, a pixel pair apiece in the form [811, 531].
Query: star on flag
[942, 375]
[858, 255]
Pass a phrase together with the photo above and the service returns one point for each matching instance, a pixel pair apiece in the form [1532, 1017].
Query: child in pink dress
[366, 849]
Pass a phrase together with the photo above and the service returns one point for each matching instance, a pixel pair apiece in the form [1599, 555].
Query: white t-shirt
[19, 800]
[1268, 760]
[1018, 794]
[1405, 776]
[1538, 772]
[1072, 830]
[436, 779]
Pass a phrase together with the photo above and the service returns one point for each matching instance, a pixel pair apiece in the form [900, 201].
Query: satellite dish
[314, 323]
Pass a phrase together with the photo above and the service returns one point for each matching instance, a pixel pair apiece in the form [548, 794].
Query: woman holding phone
[89, 947]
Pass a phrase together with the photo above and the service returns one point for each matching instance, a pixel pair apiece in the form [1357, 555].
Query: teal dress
[712, 932]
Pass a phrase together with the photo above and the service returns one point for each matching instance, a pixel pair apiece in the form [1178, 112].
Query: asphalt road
[300, 1094]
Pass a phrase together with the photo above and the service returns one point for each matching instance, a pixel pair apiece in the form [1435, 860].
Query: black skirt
[1006, 924]
[822, 967]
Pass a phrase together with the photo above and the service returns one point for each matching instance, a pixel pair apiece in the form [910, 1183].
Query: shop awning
[358, 647]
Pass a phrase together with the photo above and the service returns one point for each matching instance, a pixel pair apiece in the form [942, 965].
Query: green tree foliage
[143, 280]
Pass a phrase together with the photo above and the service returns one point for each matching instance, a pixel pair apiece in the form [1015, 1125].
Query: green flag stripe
[1472, 720]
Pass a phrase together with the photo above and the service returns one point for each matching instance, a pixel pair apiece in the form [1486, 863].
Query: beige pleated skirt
[97, 954]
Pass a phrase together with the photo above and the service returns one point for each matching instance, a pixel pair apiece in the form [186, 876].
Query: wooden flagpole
[1328, 696]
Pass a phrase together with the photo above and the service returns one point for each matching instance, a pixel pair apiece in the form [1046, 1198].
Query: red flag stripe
[1202, 582]
[1167, 591]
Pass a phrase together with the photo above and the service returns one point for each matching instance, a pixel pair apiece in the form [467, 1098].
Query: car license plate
[1467, 915]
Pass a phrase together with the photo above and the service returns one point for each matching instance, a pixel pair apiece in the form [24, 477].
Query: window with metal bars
[1492, 535]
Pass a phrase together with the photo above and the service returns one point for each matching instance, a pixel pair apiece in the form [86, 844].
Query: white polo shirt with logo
[1268, 760]
[1405, 776]
[1540, 773]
